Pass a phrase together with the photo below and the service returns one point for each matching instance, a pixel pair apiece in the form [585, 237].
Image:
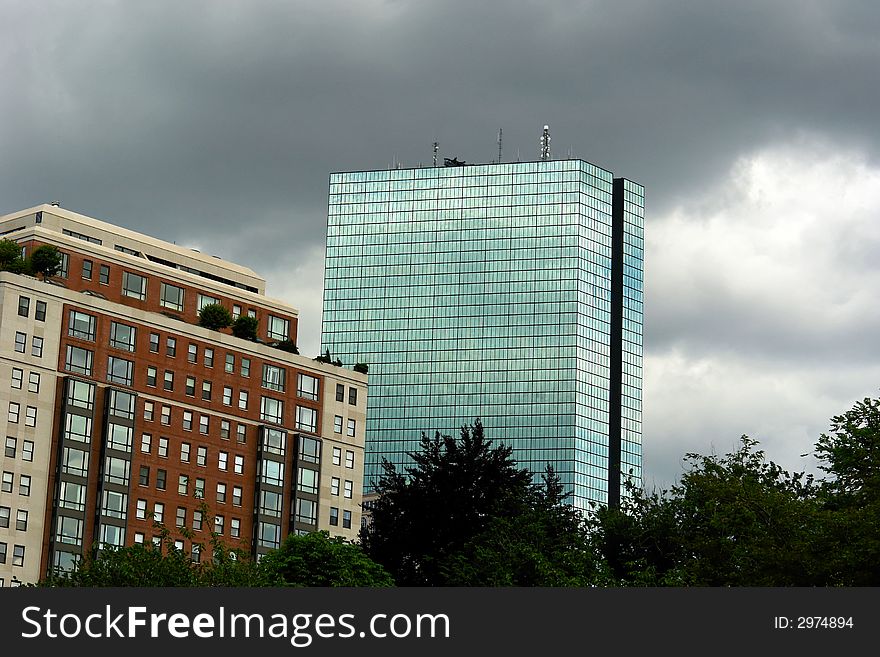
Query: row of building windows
[17, 555]
[14, 414]
[21, 519]
[7, 483]
[24, 305]
[334, 517]
[11, 448]
[21, 344]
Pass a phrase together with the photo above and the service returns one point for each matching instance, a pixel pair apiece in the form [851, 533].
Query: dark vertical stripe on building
[616, 347]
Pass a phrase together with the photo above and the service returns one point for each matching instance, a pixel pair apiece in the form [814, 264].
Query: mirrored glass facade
[485, 291]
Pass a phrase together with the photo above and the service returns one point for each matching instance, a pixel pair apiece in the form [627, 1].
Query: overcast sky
[753, 126]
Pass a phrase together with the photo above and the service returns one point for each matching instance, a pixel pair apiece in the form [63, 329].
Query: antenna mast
[436, 148]
[499, 145]
[545, 144]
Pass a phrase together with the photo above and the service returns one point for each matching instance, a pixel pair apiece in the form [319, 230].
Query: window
[160, 479]
[307, 480]
[81, 325]
[115, 504]
[140, 511]
[222, 460]
[206, 390]
[158, 511]
[134, 285]
[252, 313]
[236, 311]
[337, 456]
[27, 450]
[236, 495]
[192, 353]
[334, 516]
[235, 527]
[198, 518]
[122, 336]
[273, 377]
[148, 411]
[146, 443]
[349, 459]
[151, 376]
[229, 366]
[21, 518]
[17, 378]
[24, 306]
[104, 275]
[119, 437]
[243, 399]
[238, 466]
[37, 346]
[78, 360]
[11, 447]
[306, 419]
[307, 386]
[171, 296]
[190, 387]
[270, 504]
[116, 471]
[121, 404]
[40, 311]
[78, 428]
[274, 441]
[196, 553]
[24, 485]
[65, 266]
[183, 484]
[309, 450]
[34, 382]
[80, 394]
[181, 516]
[20, 341]
[219, 522]
[5, 512]
[144, 476]
[209, 357]
[227, 396]
[351, 428]
[187, 420]
[337, 425]
[154, 343]
[340, 392]
[346, 519]
[221, 493]
[139, 538]
[178, 545]
[168, 383]
[306, 511]
[14, 412]
[204, 300]
[271, 410]
[352, 396]
[184, 452]
[241, 433]
[224, 429]
[119, 370]
[163, 448]
[18, 553]
[87, 270]
[200, 488]
[202, 456]
[272, 473]
[3, 548]
[75, 462]
[245, 367]
[278, 328]
[334, 486]
[347, 488]
[166, 416]
[171, 347]
[8, 478]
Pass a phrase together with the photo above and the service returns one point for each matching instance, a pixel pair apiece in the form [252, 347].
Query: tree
[10, 251]
[46, 261]
[363, 368]
[734, 520]
[214, 316]
[287, 345]
[245, 327]
[315, 559]
[464, 513]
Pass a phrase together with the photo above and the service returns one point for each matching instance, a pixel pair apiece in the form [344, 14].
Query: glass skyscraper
[506, 292]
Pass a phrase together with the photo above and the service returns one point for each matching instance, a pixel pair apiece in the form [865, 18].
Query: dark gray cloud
[217, 123]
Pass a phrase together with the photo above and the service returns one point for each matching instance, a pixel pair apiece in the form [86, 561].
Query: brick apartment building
[122, 410]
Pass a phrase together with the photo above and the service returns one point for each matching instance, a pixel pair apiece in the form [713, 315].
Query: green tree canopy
[214, 316]
[245, 327]
[315, 559]
[46, 261]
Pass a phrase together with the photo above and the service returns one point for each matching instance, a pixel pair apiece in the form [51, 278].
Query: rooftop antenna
[499, 145]
[436, 146]
[545, 144]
